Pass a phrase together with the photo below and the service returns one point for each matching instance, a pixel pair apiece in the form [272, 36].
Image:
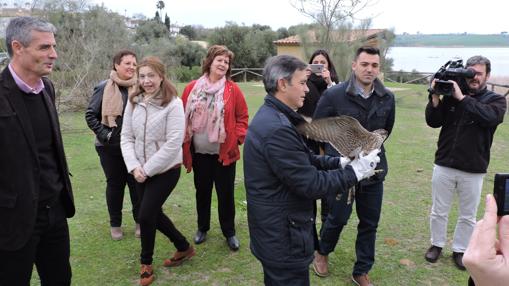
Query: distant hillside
[452, 40]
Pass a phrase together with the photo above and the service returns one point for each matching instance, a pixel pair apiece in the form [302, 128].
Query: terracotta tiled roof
[339, 37]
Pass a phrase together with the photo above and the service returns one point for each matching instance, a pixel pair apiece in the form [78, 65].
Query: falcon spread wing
[344, 133]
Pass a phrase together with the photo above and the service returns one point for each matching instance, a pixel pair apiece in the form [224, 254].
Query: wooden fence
[245, 71]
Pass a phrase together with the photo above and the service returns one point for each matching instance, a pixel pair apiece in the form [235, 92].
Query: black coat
[467, 130]
[282, 180]
[342, 99]
[19, 164]
[316, 85]
[93, 116]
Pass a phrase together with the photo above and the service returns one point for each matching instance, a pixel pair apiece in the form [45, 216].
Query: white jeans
[445, 182]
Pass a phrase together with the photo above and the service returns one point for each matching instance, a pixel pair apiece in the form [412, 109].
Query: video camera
[452, 70]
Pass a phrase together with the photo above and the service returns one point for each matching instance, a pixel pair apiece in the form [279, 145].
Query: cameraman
[468, 120]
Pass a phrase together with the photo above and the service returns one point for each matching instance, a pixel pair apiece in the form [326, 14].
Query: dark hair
[479, 60]
[332, 70]
[20, 28]
[168, 90]
[367, 49]
[212, 53]
[117, 58]
[280, 67]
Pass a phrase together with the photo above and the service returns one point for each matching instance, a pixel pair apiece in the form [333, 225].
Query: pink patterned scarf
[205, 110]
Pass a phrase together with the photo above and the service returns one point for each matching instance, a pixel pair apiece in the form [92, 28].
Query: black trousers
[273, 276]
[48, 248]
[153, 193]
[368, 205]
[117, 177]
[208, 171]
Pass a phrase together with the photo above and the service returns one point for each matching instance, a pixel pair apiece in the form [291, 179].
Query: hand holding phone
[501, 193]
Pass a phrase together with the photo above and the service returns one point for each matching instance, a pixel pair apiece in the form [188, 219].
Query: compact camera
[455, 71]
[501, 193]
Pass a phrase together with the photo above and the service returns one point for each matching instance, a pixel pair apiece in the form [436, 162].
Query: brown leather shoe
[457, 257]
[362, 280]
[146, 275]
[433, 253]
[179, 257]
[321, 265]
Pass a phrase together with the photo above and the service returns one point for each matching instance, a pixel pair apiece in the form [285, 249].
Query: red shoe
[146, 275]
[179, 257]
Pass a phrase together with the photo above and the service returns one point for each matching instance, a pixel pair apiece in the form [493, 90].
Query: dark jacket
[93, 116]
[19, 164]
[282, 180]
[343, 99]
[316, 85]
[467, 129]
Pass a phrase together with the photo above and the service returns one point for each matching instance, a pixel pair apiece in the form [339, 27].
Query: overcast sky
[411, 16]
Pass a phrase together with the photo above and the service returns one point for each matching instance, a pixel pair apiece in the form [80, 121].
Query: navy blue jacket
[282, 179]
[467, 130]
[342, 99]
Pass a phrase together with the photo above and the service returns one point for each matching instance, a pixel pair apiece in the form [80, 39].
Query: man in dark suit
[35, 190]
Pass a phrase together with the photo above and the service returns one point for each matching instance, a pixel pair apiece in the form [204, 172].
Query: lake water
[425, 59]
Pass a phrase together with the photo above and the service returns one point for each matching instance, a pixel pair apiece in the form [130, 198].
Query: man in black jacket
[364, 98]
[283, 177]
[35, 190]
[468, 120]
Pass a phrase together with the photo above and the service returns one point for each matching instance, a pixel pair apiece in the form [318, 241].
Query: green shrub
[184, 74]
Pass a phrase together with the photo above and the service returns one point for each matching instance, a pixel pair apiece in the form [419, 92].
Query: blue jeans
[368, 204]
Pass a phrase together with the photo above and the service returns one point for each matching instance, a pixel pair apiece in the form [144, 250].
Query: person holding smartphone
[319, 79]
[486, 259]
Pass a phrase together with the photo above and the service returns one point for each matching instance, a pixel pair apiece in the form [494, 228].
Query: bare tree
[330, 14]
[338, 30]
[87, 39]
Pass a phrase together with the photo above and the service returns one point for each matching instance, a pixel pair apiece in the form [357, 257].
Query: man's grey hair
[479, 60]
[280, 67]
[20, 28]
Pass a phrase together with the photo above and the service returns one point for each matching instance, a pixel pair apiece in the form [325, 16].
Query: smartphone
[501, 193]
[316, 68]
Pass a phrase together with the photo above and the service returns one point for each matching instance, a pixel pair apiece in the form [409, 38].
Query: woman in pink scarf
[216, 123]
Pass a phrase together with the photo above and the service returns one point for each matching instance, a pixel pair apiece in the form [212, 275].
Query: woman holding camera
[318, 82]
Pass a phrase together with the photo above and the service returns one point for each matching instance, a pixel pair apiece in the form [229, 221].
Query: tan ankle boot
[137, 231]
[116, 233]
[321, 265]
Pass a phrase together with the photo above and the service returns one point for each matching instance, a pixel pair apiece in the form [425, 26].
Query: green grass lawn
[403, 234]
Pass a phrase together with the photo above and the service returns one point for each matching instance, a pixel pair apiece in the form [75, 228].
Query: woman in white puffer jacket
[151, 143]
